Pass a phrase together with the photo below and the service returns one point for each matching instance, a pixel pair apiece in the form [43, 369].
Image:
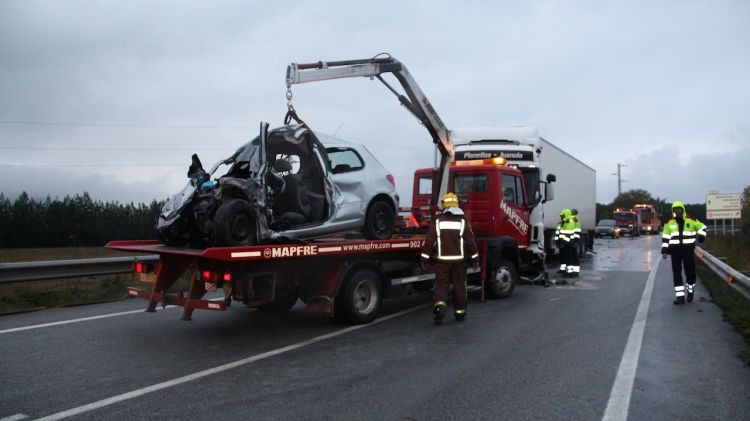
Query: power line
[88, 165]
[122, 125]
[80, 148]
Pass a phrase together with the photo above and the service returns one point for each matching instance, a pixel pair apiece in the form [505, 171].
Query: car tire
[380, 221]
[234, 224]
[359, 298]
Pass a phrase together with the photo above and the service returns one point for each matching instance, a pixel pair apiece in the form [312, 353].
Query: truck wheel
[234, 224]
[504, 278]
[379, 222]
[359, 298]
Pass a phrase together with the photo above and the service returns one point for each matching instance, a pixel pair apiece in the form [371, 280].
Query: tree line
[73, 221]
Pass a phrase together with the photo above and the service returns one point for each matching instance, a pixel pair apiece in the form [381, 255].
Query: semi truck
[554, 179]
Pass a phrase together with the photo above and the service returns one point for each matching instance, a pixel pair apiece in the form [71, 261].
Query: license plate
[147, 277]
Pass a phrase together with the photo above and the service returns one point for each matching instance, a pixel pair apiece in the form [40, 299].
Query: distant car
[287, 183]
[607, 228]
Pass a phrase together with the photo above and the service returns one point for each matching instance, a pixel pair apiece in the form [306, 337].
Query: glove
[475, 265]
[664, 255]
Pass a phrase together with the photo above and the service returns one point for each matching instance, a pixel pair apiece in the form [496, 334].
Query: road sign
[723, 202]
[723, 214]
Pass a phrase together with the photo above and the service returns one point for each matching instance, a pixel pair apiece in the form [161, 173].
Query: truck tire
[234, 224]
[380, 221]
[502, 279]
[359, 298]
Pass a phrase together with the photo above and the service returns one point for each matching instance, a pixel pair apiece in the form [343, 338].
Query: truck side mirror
[551, 178]
[549, 191]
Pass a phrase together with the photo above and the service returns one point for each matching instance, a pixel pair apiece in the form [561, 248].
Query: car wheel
[234, 224]
[379, 222]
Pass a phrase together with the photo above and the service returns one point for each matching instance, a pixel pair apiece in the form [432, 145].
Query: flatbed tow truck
[335, 276]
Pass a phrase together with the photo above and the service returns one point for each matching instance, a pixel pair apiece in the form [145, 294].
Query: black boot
[460, 317]
[679, 300]
[690, 297]
[439, 313]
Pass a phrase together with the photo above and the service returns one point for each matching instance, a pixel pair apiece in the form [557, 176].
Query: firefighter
[450, 246]
[576, 257]
[568, 243]
[558, 243]
[678, 239]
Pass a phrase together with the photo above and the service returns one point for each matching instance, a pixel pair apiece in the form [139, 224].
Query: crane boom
[415, 100]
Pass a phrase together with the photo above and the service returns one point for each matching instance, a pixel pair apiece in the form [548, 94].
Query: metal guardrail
[56, 269]
[737, 280]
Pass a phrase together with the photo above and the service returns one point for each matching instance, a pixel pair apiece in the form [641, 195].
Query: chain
[289, 97]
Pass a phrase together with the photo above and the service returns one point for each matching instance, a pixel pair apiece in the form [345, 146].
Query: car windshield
[242, 158]
[607, 223]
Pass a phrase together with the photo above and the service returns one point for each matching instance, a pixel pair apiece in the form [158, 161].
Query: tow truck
[334, 276]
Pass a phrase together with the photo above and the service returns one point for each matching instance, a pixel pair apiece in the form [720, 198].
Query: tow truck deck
[334, 276]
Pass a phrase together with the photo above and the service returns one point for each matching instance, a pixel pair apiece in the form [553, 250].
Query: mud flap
[320, 305]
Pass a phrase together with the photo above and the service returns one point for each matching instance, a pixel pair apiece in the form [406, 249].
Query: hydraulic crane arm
[415, 101]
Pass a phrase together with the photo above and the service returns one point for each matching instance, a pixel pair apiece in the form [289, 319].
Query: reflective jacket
[570, 230]
[677, 236]
[450, 238]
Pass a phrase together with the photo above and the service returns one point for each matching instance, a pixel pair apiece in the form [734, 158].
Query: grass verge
[736, 309]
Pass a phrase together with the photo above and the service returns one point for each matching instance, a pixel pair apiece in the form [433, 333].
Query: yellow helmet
[448, 200]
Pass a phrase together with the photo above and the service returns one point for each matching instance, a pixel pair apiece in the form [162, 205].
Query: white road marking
[229, 366]
[619, 397]
[64, 322]
[15, 417]
[84, 319]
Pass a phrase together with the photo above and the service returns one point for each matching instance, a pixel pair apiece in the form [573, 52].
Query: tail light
[391, 180]
[215, 277]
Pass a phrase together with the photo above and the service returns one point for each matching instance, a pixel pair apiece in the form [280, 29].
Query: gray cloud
[659, 86]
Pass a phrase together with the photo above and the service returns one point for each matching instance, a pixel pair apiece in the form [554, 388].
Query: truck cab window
[509, 189]
[470, 183]
[425, 185]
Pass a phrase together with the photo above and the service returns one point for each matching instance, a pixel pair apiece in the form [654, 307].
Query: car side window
[344, 160]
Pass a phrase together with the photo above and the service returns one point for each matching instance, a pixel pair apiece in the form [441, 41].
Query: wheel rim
[502, 278]
[365, 297]
[380, 223]
[240, 227]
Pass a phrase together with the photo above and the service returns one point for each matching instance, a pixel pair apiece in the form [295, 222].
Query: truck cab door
[514, 208]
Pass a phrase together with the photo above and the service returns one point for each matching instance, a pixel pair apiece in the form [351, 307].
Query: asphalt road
[612, 344]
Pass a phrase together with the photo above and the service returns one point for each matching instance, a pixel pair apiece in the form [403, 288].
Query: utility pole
[619, 178]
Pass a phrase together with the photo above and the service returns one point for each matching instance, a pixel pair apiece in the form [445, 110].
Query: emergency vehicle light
[498, 160]
[138, 267]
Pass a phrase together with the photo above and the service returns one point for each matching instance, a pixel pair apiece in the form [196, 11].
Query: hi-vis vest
[672, 238]
[450, 239]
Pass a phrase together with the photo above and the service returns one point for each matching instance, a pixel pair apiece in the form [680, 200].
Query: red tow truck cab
[493, 198]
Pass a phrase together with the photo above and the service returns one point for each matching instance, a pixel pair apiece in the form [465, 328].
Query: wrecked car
[287, 183]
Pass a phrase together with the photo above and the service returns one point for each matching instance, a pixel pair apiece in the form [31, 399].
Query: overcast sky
[112, 97]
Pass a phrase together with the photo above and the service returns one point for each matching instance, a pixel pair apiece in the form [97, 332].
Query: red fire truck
[650, 222]
[629, 221]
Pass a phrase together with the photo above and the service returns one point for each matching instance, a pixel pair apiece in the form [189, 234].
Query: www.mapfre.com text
[366, 247]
